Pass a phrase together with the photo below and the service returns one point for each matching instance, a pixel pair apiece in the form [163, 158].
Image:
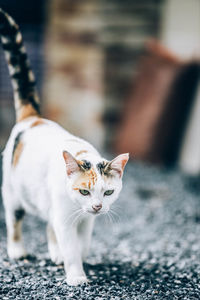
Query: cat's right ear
[71, 163]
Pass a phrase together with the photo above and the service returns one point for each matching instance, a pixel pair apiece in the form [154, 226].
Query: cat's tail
[23, 82]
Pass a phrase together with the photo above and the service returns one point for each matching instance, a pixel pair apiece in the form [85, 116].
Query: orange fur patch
[124, 162]
[81, 152]
[26, 111]
[17, 153]
[75, 188]
[17, 231]
[51, 234]
[39, 121]
[86, 180]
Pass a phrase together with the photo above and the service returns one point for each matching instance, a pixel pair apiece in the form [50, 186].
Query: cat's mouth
[95, 213]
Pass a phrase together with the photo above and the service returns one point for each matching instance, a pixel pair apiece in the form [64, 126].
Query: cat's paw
[16, 251]
[76, 280]
[55, 255]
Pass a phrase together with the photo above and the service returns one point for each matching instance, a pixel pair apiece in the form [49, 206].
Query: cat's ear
[118, 163]
[71, 163]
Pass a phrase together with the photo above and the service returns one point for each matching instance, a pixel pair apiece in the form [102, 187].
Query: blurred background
[122, 74]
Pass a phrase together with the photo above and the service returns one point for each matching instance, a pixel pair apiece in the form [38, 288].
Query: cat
[51, 173]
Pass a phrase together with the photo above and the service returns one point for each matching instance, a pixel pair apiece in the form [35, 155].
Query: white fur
[40, 185]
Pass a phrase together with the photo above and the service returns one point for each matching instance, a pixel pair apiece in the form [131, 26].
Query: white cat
[51, 173]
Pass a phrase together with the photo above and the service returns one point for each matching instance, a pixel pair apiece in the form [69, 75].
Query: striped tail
[23, 82]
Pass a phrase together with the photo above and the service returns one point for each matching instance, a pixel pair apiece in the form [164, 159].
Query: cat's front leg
[71, 253]
[53, 247]
[84, 233]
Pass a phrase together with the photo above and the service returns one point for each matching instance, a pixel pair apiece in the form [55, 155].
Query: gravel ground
[151, 250]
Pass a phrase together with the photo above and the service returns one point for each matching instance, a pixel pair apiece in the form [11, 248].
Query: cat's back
[37, 140]
[35, 129]
[33, 138]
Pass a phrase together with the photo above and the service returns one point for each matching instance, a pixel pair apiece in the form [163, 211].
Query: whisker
[107, 217]
[81, 213]
[72, 214]
[117, 207]
[110, 217]
[77, 211]
[75, 219]
[115, 216]
[115, 213]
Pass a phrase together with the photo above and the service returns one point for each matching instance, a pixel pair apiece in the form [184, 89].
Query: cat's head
[94, 184]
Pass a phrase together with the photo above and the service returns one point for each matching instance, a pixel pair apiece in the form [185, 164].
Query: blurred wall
[127, 26]
[92, 48]
[73, 90]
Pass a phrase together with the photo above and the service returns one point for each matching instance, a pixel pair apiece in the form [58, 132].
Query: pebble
[153, 253]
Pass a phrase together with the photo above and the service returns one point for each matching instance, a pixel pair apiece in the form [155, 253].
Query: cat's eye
[108, 192]
[84, 192]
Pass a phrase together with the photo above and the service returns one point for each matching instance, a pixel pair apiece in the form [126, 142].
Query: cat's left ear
[71, 163]
[118, 163]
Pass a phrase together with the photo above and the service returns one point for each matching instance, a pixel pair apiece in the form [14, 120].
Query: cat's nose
[97, 207]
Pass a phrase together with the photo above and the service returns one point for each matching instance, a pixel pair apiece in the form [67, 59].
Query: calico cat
[51, 173]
